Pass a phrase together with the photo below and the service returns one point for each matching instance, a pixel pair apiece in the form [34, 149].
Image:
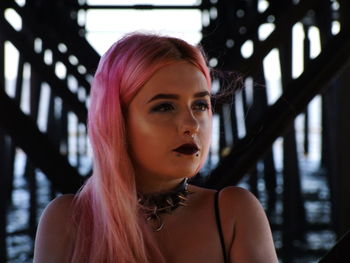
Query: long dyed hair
[108, 225]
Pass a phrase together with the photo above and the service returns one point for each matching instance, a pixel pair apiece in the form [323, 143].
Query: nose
[189, 124]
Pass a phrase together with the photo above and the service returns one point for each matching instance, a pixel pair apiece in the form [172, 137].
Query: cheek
[145, 138]
[139, 134]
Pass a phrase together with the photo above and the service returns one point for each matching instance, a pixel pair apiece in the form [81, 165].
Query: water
[20, 246]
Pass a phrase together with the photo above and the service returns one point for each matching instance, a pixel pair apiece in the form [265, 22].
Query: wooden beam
[37, 146]
[299, 92]
[57, 85]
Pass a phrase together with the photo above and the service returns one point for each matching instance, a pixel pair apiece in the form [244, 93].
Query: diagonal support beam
[233, 59]
[286, 20]
[57, 85]
[51, 39]
[37, 146]
[299, 92]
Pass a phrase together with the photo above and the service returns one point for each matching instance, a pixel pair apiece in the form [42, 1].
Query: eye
[201, 105]
[164, 107]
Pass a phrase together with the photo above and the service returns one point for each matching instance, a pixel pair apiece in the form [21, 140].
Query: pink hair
[109, 227]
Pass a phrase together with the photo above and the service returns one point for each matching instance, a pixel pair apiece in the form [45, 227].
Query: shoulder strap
[218, 223]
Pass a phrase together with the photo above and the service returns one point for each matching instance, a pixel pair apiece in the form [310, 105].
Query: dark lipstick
[187, 148]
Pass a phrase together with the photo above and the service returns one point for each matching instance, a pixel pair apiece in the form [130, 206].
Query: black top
[218, 223]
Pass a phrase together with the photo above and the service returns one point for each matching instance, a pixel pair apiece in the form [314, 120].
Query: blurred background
[284, 135]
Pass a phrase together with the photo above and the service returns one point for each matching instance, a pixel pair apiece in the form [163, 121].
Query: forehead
[177, 78]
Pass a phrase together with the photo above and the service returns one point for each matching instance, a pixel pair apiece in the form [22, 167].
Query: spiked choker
[153, 205]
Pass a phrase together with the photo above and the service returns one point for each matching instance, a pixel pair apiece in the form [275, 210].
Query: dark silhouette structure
[50, 36]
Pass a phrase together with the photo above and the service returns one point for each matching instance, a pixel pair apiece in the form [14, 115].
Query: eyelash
[165, 107]
[203, 104]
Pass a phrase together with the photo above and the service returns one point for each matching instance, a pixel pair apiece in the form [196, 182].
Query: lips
[187, 148]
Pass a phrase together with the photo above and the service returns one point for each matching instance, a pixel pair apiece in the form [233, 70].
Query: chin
[184, 173]
[191, 170]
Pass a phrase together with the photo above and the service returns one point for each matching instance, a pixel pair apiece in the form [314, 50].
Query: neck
[155, 204]
[156, 186]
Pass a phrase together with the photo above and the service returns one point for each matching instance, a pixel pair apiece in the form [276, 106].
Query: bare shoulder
[54, 230]
[229, 197]
[233, 196]
[60, 204]
[241, 208]
[58, 211]
[251, 239]
[233, 192]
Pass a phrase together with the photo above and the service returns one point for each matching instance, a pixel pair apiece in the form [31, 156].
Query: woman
[150, 127]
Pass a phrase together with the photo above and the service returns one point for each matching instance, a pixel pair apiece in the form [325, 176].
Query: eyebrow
[176, 97]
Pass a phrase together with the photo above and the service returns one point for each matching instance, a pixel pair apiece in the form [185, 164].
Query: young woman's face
[169, 125]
